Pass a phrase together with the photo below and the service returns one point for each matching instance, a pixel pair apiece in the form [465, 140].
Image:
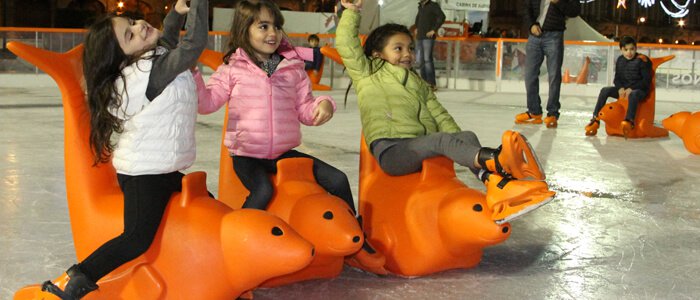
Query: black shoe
[365, 246]
[77, 287]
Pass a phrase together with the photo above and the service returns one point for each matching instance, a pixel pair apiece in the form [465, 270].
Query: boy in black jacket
[632, 81]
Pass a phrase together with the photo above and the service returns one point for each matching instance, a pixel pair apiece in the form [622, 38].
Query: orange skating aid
[516, 157]
[687, 127]
[425, 222]
[592, 127]
[321, 218]
[230, 251]
[211, 58]
[510, 199]
[550, 122]
[527, 118]
[614, 113]
[315, 76]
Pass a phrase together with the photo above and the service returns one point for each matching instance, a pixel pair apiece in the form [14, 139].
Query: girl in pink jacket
[269, 96]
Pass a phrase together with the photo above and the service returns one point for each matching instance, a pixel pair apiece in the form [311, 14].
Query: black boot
[365, 245]
[488, 160]
[77, 287]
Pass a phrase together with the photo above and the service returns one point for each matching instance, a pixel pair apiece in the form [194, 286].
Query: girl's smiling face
[135, 37]
[399, 51]
[264, 36]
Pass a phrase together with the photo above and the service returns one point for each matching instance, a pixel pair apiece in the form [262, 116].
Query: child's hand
[181, 7]
[628, 92]
[323, 113]
[621, 92]
[352, 5]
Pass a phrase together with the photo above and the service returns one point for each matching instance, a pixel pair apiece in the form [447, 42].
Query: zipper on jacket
[272, 115]
[405, 80]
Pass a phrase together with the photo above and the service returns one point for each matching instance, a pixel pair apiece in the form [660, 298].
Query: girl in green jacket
[403, 123]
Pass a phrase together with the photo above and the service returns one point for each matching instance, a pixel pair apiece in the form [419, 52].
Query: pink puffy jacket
[264, 112]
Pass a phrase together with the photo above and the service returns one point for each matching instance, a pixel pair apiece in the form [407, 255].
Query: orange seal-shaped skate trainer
[686, 125]
[614, 113]
[425, 222]
[230, 251]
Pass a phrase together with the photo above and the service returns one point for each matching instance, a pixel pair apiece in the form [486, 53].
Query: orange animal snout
[329, 223]
[686, 125]
[280, 250]
[464, 221]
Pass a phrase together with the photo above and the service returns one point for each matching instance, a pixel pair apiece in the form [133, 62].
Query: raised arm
[348, 42]
[167, 66]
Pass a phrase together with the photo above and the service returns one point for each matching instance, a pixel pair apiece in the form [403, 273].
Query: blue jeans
[424, 60]
[550, 45]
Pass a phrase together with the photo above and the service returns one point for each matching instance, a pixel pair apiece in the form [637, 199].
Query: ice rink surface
[625, 223]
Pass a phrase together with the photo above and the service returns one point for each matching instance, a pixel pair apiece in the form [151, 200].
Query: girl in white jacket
[139, 85]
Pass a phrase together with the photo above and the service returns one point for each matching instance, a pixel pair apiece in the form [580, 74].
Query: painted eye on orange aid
[328, 215]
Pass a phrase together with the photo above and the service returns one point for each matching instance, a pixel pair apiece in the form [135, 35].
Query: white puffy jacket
[158, 135]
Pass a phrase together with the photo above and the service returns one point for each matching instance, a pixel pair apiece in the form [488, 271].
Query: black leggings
[145, 200]
[254, 174]
[406, 155]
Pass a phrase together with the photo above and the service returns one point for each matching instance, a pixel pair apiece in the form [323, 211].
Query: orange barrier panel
[425, 222]
[230, 251]
[686, 125]
[614, 113]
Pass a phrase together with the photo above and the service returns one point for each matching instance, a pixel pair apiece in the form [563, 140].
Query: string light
[646, 3]
[682, 9]
[678, 8]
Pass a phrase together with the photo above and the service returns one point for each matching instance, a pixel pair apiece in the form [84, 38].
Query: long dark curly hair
[247, 12]
[103, 61]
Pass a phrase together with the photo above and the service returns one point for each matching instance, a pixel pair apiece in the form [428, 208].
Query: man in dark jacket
[546, 21]
[632, 81]
[428, 20]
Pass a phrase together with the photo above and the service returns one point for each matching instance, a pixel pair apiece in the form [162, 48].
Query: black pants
[253, 173]
[635, 97]
[406, 155]
[145, 200]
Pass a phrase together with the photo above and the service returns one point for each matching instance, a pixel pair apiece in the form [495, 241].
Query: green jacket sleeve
[443, 118]
[349, 45]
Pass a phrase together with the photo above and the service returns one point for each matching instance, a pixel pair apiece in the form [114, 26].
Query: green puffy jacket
[394, 102]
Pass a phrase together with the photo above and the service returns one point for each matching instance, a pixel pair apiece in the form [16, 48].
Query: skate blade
[524, 211]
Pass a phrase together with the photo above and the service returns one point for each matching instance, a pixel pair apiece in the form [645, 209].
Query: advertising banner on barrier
[473, 5]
